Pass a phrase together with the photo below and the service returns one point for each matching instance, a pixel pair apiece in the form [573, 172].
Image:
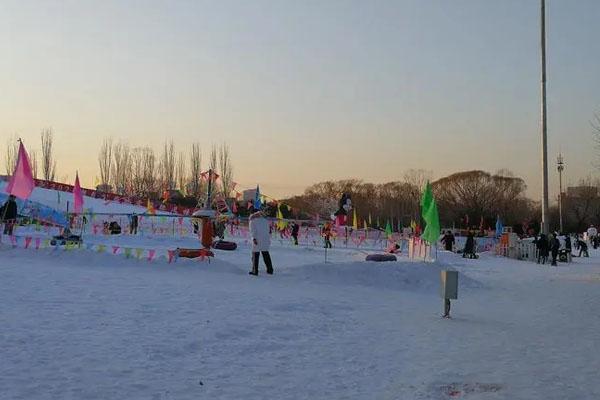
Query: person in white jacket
[261, 241]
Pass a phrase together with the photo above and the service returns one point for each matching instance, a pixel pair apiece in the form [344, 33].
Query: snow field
[89, 325]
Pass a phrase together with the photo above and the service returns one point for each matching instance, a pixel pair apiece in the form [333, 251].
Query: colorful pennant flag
[430, 215]
[77, 196]
[21, 182]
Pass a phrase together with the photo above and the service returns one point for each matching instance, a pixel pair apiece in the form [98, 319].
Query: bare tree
[167, 166]
[582, 205]
[105, 160]
[12, 150]
[195, 170]
[48, 161]
[143, 180]
[33, 161]
[482, 197]
[213, 158]
[182, 178]
[121, 172]
[416, 179]
[225, 169]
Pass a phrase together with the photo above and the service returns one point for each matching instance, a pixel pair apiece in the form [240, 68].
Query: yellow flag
[281, 224]
[365, 224]
[355, 221]
[370, 223]
[150, 208]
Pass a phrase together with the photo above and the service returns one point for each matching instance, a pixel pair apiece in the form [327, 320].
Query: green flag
[426, 198]
[430, 215]
[388, 229]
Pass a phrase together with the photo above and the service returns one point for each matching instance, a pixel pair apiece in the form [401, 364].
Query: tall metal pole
[561, 167]
[544, 227]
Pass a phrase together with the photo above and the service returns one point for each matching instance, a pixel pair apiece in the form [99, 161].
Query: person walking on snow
[261, 242]
[554, 248]
[133, 224]
[295, 231]
[592, 232]
[8, 215]
[326, 233]
[583, 247]
[469, 250]
[542, 248]
[448, 241]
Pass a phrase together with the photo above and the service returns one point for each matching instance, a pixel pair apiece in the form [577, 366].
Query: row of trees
[141, 172]
[398, 200]
[464, 199]
[46, 164]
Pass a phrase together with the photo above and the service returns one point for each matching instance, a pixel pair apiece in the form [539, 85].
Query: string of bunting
[139, 253]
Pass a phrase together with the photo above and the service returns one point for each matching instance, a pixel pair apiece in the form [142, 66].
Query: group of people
[470, 249]
[552, 246]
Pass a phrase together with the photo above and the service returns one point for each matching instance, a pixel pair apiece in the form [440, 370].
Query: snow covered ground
[84, 325]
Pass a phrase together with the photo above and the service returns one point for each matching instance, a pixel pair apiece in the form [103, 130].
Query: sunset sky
[306, 91]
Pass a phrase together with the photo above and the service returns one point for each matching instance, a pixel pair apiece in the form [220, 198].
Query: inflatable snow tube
[380, 257]
[194, 253]
[224, 245]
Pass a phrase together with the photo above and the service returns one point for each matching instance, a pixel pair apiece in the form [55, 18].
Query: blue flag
[499, 227]
[257, 202]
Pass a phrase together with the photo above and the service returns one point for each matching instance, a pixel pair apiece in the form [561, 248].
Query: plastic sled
[224, 245]
[381, 257]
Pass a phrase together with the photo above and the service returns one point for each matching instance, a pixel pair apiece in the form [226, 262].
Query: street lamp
[561, 167]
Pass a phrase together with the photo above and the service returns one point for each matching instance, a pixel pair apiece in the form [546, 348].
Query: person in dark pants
[568, 247]
[469, 250]
[448, 241]
[583, 247]
[133, 225]
[554, 248]
[295, 231]
[542, 248]
[261, 242]
[326, 232]
[8, 214]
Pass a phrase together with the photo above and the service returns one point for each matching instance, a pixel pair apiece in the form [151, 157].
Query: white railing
[520, 251]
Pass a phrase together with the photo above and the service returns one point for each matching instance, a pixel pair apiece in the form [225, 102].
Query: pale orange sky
[304, 91]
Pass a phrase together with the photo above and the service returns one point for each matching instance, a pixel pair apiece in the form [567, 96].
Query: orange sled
[194, 253]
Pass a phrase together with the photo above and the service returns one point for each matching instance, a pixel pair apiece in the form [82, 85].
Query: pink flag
[21, 182]
[77, 196]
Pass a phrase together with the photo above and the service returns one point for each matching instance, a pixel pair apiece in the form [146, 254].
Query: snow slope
[58, 200]
[83, 325]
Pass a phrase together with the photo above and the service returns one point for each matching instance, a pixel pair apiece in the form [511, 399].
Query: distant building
[249, 194]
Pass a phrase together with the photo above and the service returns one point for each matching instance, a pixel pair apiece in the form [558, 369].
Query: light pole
[544, 227]
[560, 166]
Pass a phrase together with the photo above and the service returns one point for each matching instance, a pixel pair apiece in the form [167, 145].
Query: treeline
[141, 172]
[466, 199]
